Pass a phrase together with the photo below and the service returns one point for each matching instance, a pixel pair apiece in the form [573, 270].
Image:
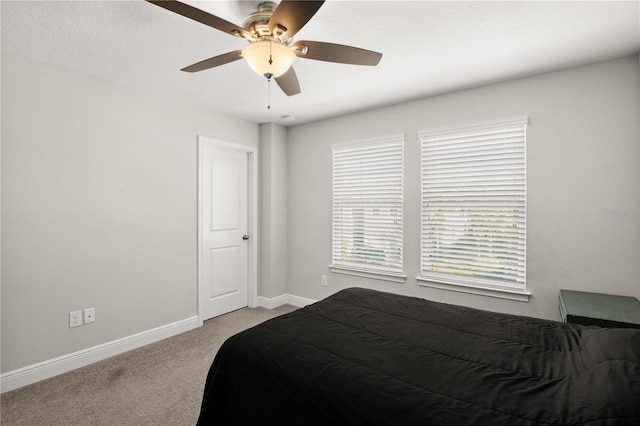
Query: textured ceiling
[428, 48]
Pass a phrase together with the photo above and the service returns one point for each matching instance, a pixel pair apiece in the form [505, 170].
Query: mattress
[364, 357]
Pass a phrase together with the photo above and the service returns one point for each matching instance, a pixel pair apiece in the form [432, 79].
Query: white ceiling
[428, 47]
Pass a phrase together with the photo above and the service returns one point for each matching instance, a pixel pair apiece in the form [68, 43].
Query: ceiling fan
[271, 50]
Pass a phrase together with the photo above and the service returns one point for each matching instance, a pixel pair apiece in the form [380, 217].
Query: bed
[364, 357]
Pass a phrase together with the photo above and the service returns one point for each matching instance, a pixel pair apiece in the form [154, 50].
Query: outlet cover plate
[89, 315]
[75, 319]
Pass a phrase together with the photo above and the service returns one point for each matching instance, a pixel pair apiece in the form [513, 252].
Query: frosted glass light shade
[258, 54]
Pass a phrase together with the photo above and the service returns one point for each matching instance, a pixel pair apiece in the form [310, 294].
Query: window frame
[456, 280]
[395, 272]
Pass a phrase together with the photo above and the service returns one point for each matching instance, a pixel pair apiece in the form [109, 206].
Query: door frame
[252, 219]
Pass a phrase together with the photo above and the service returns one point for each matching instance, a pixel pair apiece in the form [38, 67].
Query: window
[474, 209]
[367, 208]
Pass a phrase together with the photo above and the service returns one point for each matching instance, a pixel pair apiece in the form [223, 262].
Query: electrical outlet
[324, 280]
[75, 319]
[89, 315]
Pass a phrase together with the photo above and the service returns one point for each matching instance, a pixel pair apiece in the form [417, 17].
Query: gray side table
[604, 310]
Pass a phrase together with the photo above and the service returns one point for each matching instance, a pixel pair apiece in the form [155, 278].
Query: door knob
[245, 237]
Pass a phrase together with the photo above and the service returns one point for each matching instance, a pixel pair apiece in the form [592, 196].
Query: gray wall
[272, 281]
[99, 187]
[582, 165]
[99, 208]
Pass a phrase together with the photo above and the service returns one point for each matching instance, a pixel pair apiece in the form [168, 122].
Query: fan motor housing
[258, 22]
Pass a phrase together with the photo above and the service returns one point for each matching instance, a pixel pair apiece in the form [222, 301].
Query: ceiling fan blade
[214, 62]
[339, 53]
[293, 15]
[288, 82]
[202, 17]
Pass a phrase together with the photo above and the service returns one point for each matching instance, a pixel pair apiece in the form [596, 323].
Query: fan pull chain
[268, 76]
[270, 51]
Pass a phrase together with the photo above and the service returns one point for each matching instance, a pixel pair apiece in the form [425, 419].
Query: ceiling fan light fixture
[270, 31]
[267, 57]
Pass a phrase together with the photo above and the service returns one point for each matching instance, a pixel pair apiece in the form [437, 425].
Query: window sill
[369, 273]
[502, 293]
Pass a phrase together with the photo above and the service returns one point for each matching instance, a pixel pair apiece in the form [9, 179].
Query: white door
[223, 229]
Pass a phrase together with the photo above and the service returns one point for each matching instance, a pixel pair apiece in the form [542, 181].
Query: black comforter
[362, 357]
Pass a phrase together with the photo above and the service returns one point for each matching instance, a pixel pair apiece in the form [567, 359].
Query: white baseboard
[43, 370]
[46, 369]
[285, 299]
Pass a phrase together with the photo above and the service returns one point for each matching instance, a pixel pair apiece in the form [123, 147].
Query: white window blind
[367, 205]
[474, 206]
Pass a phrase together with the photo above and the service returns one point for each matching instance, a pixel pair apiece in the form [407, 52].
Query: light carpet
[158, 384]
